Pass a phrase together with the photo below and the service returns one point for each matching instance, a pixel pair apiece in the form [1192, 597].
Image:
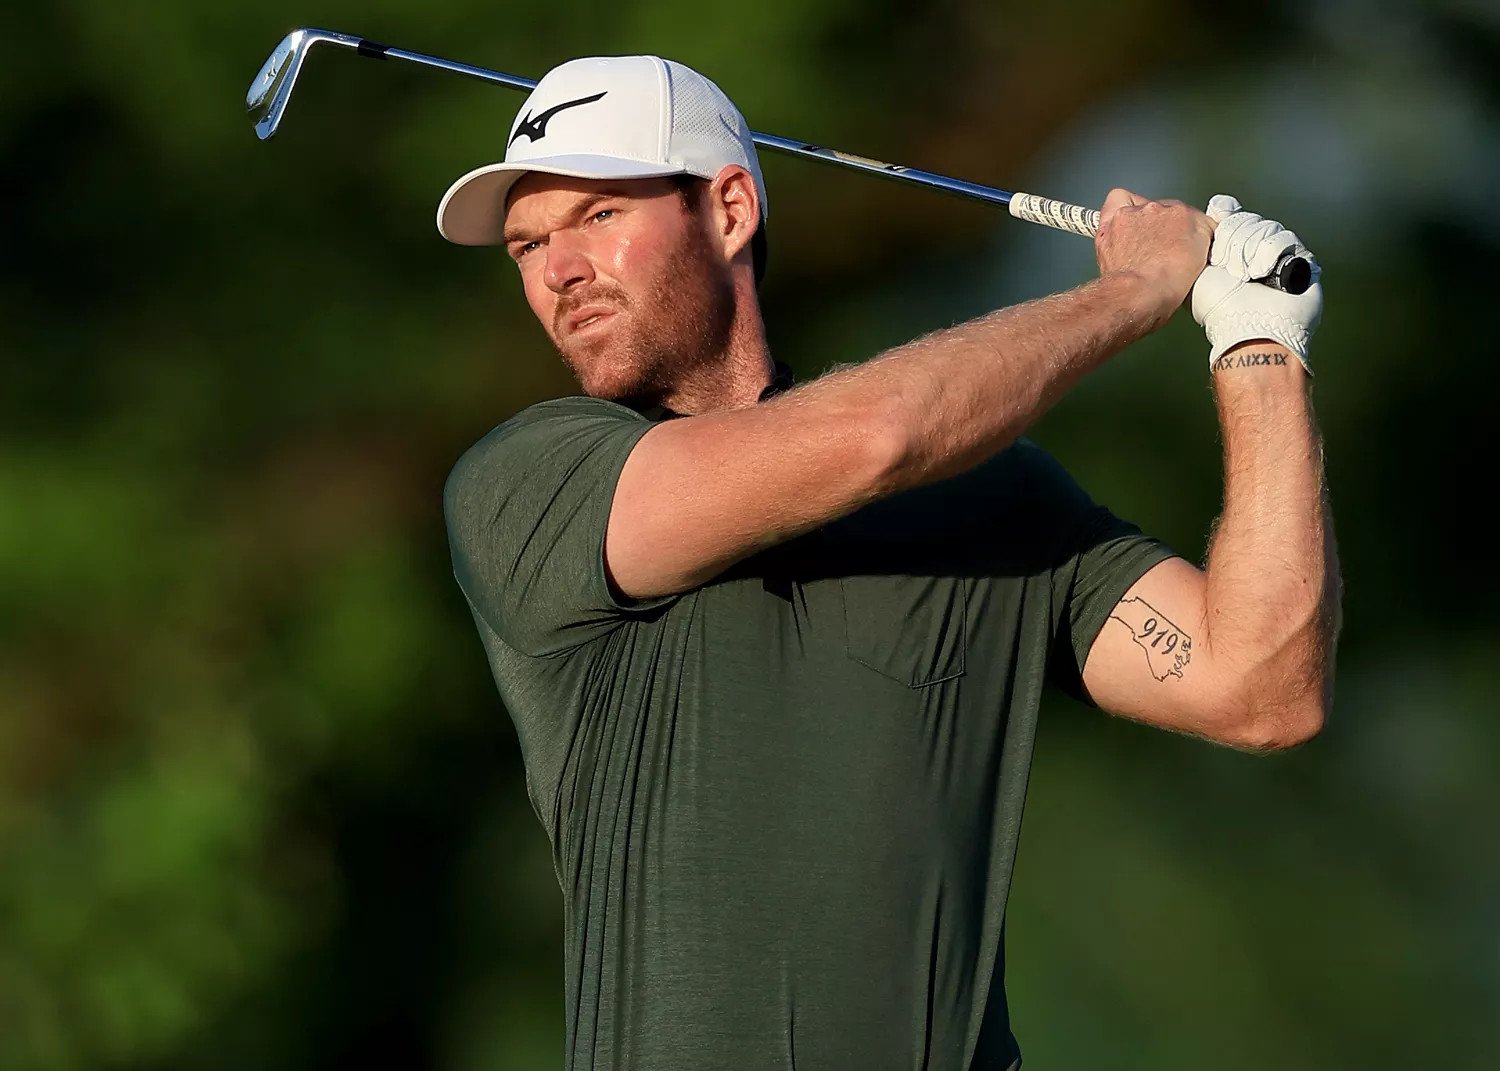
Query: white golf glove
[1231, 308]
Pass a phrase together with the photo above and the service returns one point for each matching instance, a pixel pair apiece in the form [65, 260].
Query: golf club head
[271, 89]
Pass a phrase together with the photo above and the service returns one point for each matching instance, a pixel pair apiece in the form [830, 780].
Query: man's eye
[527, 248]
[603, 213]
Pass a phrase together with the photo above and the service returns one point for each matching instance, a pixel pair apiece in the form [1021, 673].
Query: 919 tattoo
[1168, 649]
[1247, 360]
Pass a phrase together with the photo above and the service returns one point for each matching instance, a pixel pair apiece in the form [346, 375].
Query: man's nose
[567, 264]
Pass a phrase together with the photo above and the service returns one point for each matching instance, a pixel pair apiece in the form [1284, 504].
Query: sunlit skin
[647, 301]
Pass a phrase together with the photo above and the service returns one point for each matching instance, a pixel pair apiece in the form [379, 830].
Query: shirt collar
[782, 380]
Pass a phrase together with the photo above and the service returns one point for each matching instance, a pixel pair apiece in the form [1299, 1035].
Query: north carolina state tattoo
[1168, 649]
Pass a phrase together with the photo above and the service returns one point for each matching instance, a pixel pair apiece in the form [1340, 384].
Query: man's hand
[1163, 243]
[1231, 308]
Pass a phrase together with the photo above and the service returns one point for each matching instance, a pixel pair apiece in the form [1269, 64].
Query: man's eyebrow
[577, 212]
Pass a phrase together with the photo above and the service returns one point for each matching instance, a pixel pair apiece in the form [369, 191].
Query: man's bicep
[698, 494]
[1149, 663]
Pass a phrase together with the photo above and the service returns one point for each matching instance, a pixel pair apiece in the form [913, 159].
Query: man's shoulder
[530, 433]
[555, 415]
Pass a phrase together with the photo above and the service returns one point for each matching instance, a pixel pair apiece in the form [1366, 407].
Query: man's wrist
[1259, 373]
[1260, 353]
[1145, 299]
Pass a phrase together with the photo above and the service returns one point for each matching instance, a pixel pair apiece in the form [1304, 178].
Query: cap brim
[472, 212]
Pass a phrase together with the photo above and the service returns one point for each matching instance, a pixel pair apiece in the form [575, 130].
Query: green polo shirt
[783, 807]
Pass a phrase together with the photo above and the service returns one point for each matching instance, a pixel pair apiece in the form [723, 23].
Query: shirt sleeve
[1097, 557]
[526, 510]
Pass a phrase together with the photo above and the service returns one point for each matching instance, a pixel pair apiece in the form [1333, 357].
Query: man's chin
[632, 395]
[627, 386]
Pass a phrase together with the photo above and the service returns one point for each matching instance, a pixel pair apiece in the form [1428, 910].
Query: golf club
[271, 91]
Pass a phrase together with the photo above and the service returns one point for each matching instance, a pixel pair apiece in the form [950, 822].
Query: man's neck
[738, 381]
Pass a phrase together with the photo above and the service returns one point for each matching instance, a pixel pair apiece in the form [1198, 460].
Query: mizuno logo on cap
[536, 129]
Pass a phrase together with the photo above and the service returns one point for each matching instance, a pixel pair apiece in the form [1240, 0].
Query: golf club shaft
[1291, 273]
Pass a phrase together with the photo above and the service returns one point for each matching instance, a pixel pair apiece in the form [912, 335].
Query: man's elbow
[887, 453]
[1264, 721]
[1283, 702]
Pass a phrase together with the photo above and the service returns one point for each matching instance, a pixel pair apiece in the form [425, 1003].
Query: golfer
[774, 652]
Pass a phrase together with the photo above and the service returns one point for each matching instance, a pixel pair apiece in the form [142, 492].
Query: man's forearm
[1273, 577]
[959, 395]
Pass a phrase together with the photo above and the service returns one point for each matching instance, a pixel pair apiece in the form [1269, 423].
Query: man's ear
[734, 204]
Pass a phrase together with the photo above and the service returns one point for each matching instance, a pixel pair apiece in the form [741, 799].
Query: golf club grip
[1292, 273]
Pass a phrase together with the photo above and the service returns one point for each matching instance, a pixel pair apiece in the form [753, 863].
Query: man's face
[624, 278]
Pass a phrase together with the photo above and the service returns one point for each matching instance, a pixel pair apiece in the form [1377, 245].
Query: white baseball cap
[605, 117]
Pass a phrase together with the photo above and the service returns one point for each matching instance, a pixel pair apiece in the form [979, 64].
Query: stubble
[678, 330]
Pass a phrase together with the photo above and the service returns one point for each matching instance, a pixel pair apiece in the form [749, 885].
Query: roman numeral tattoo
[1167, 648]
[1248, 360]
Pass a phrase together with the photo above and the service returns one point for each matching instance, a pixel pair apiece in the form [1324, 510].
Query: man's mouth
[587, 317]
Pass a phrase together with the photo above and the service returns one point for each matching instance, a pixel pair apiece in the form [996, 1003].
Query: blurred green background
[259, 804]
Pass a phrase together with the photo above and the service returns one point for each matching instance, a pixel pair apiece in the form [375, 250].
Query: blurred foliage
[259, 804]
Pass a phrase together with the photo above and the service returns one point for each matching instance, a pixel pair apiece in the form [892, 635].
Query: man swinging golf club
[774, 653]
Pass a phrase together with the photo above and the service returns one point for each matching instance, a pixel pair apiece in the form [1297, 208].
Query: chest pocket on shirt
[909, 628]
